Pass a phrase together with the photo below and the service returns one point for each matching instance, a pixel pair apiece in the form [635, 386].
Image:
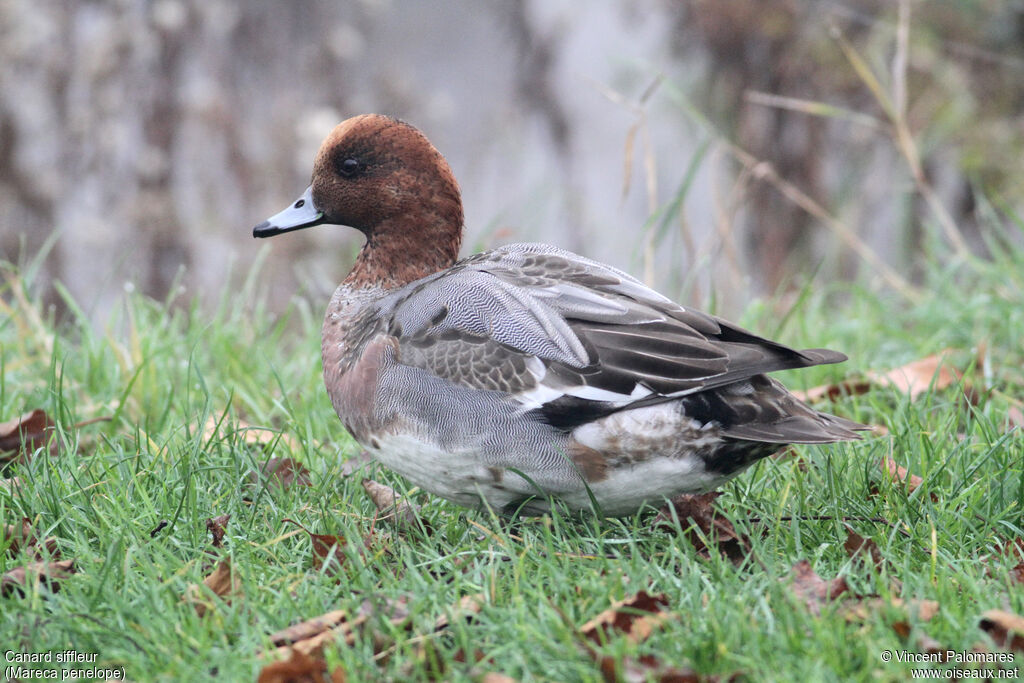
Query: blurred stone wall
[146, 137]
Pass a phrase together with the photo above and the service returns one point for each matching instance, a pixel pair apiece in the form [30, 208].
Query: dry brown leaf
[649, 668]
[309, 628]
[925, 643]
[23, 537]
[1014, 418]
[1017, 571]
[901, 475]
[328, 549]
[913, 379]
[700, 509]
[10, 484]
[18, 535]
[391, 507]
[1005, 628]
[636, 617]
[48, 548]
[902, 629]
[216, 525]
[465, 608]
[23, 435]
[491, 677]
[1013, 549]
[300, 668]
[254, 436]
[343, 630]
[283, 472]
[222, 582]
[920, 376]
[393, 610]
[49, 574]
[812, 589]
[926, 609]
[861, 610]
[310, 637]
[856, 544]
[833, 391]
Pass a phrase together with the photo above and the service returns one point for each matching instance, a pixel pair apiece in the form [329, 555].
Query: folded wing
[573, 338]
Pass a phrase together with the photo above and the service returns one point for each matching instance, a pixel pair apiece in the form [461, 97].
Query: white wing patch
[545, 393]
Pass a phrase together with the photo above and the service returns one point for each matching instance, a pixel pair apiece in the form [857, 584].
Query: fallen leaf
[394, 610]
[216, 525]
[856, 544]
[309, 628]
[328, 549]
[491, 677]
[635, 617]
[48, 548]
[465, 608]
[325, 629]
[10, 484]
[23, 537]
[920, 376]
[709, 522]
[283, 472]
[1005, 628]
[300, 668]
[49, 574]
[902, 629]
[19, 536]
[925, 643]
[1014, 419]
[649, 668]
[1017, 571]
[926, 609]
[902, 475]
[391, 507]
[222, 582]
[862, 610]
[1013, 550]
[461, 657]
[833, 391]
[310, 637]
[812, 589]
[914, 379]
[22, 436]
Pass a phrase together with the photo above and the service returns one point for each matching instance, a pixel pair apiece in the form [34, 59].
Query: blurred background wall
[139, 137]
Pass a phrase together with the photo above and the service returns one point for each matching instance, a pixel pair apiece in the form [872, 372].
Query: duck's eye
[349, 167]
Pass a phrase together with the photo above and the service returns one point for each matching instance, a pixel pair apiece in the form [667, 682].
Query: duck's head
[384, 178]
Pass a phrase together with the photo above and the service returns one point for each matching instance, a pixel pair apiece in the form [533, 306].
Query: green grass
[161, 369]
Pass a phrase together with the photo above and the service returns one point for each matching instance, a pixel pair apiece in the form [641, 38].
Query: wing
[572, 337]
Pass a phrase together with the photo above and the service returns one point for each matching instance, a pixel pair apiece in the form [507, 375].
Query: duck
[527, 377]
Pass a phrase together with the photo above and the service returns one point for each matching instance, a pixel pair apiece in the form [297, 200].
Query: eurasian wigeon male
[527, 374]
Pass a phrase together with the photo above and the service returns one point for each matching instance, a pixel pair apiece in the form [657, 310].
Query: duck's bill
[301, 214]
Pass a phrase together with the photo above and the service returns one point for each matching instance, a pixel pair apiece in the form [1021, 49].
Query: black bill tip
[265, 229]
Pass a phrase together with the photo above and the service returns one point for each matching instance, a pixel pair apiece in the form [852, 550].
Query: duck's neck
[409, 246]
